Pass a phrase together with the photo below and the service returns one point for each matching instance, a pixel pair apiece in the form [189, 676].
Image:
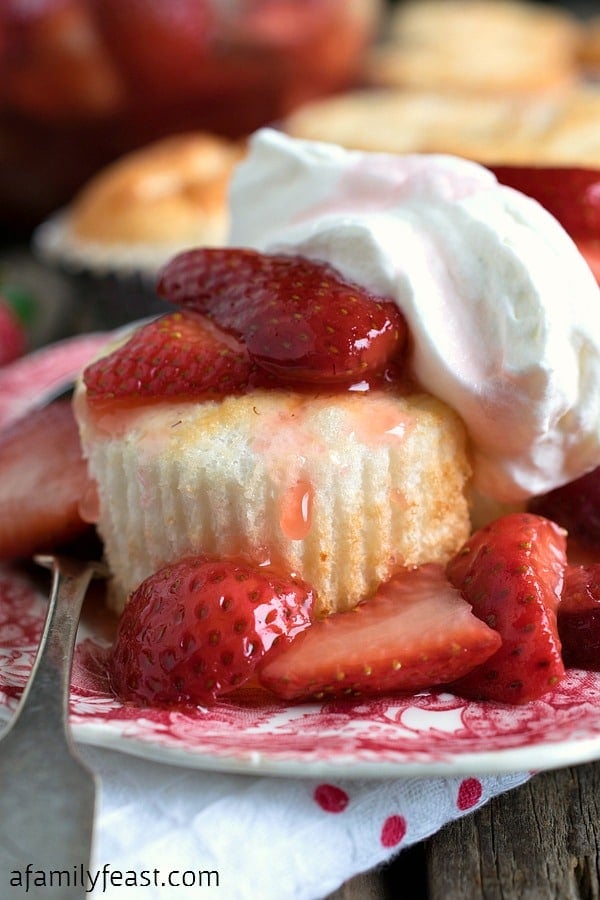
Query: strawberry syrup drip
[295, 512]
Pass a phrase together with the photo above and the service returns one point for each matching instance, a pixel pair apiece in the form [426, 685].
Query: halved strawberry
[50, 369]
[43, 477]
[197, 629]
[416, 632]
[579, 617]
[299, 319]
[571, 194]
[177, 356]
[511, 571]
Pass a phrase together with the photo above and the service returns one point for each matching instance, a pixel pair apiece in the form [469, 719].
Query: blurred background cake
[84, 81]
[477, 46]
[552, 129]
[85, 84]
[135, 214]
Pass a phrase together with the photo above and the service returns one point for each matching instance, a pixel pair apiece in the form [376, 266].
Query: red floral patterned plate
[426, 734]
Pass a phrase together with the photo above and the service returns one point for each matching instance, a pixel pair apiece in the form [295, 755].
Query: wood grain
[538, 842]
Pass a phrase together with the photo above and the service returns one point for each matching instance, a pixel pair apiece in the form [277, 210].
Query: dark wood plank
[405, 876]
[369, 886]
[539, 841]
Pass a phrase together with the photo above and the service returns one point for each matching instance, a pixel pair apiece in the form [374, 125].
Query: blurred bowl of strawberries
[83, 81]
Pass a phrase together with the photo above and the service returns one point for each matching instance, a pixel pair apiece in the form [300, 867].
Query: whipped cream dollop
[503, 310]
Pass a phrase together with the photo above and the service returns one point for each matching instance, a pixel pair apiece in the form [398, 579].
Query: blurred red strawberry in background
[13, 336]
[570, 193]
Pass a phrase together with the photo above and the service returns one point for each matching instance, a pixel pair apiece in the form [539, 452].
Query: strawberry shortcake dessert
[287, 469]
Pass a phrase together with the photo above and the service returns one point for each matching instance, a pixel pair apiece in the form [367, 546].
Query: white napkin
[177, 832]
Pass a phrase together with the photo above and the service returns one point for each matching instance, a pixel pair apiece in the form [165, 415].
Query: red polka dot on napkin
[331, 798]
[469, 793]
[393, 830]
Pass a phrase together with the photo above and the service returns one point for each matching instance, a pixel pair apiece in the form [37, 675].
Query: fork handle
[46, 696]
[47, 794]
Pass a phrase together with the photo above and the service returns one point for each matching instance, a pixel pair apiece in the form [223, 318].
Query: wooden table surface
[538, 842]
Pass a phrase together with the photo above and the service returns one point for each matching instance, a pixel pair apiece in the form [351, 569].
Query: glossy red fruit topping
[572, 195]
[579, 617]
[43, 478]
[197, 629]
[511, 571]
[300, 320]
[416, 632]
[178, 356]
[575, 506]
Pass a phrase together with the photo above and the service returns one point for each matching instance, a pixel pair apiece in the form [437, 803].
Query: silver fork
[47, 794]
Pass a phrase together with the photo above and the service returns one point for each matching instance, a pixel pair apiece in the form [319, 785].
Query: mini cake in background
[589, 51]
[478, 46]
[546, 130]
[133, 216]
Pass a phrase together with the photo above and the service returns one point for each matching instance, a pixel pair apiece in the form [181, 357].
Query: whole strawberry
[511, 572]
[198, 628]
[300, 320]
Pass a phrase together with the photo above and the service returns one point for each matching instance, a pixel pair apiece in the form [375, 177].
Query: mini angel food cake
[341, 488]
[384, 338]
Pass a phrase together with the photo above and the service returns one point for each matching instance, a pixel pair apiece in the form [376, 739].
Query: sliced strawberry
[579, 617]
[300, 320]
[177, 356]
[416, 632]
[511, 571]
[50, 369]
[197, 629]
[571, 194]
[42, 479]
[575, 506]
